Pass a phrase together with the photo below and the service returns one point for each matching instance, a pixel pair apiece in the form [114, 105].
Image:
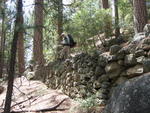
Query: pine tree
[38, 33]
[60, 17]
[105, 4]
[140, 15]
[13, 58]
[20, 44]
[115, 17]
[2, 45]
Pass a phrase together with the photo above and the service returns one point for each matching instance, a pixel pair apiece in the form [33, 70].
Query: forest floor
[34, 95]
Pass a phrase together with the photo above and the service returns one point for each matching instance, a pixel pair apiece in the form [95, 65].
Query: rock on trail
[35, 95]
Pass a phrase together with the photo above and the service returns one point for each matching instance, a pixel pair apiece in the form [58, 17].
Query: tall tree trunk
[60, 17]
[38, 34]
[140, 15]
[107, 27]
[13, 58]
[59, 9]
[21, 61]
[58, 6]
[2, 41]
[105, 4]
[115, 16]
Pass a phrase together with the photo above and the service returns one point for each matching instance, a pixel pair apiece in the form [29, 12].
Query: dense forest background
[30, 32]
[83, 19]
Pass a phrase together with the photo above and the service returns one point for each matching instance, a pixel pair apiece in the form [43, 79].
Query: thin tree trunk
[21, 61]
[107, 27]
[60, 17]
[2, 43]
[38, 34]
[59, 9]
[140, 15]
[105, 4]
[13, 59]
[117, 30]
[115, 16]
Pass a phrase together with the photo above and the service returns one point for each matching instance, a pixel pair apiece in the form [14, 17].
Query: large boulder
[132, 96]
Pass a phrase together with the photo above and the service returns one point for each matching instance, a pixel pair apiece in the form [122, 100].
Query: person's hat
[63, 34]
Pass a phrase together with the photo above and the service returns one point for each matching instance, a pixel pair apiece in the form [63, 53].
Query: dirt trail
[34, 95]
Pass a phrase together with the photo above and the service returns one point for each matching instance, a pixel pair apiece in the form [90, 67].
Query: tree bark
[107, 27]
[13, 58]
[20, 44]
[140, 15]
[59, 8]
[105, 4]
[2, 46]
[38, 34]
[60, 17]
[115, 16]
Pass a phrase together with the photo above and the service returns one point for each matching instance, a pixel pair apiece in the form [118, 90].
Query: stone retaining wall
[98, 73]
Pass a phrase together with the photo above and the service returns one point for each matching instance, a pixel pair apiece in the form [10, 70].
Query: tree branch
[54, 108]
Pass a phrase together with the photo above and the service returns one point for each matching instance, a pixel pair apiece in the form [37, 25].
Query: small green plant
[85, 105]
[89, 102]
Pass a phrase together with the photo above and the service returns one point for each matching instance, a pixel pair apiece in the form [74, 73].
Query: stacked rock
[99, 73]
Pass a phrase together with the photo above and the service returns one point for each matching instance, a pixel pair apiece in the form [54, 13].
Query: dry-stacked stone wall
[98, 73]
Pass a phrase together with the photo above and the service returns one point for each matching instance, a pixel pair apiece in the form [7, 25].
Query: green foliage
[8, 14]
[88, 102]
[87, 22]
[87, 105]
[50, 34]
[125, 13]
[83, 19]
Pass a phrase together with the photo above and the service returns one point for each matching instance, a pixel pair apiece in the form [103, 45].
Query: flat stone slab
[35, 95]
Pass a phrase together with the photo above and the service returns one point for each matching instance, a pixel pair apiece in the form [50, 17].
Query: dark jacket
[68, 41]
